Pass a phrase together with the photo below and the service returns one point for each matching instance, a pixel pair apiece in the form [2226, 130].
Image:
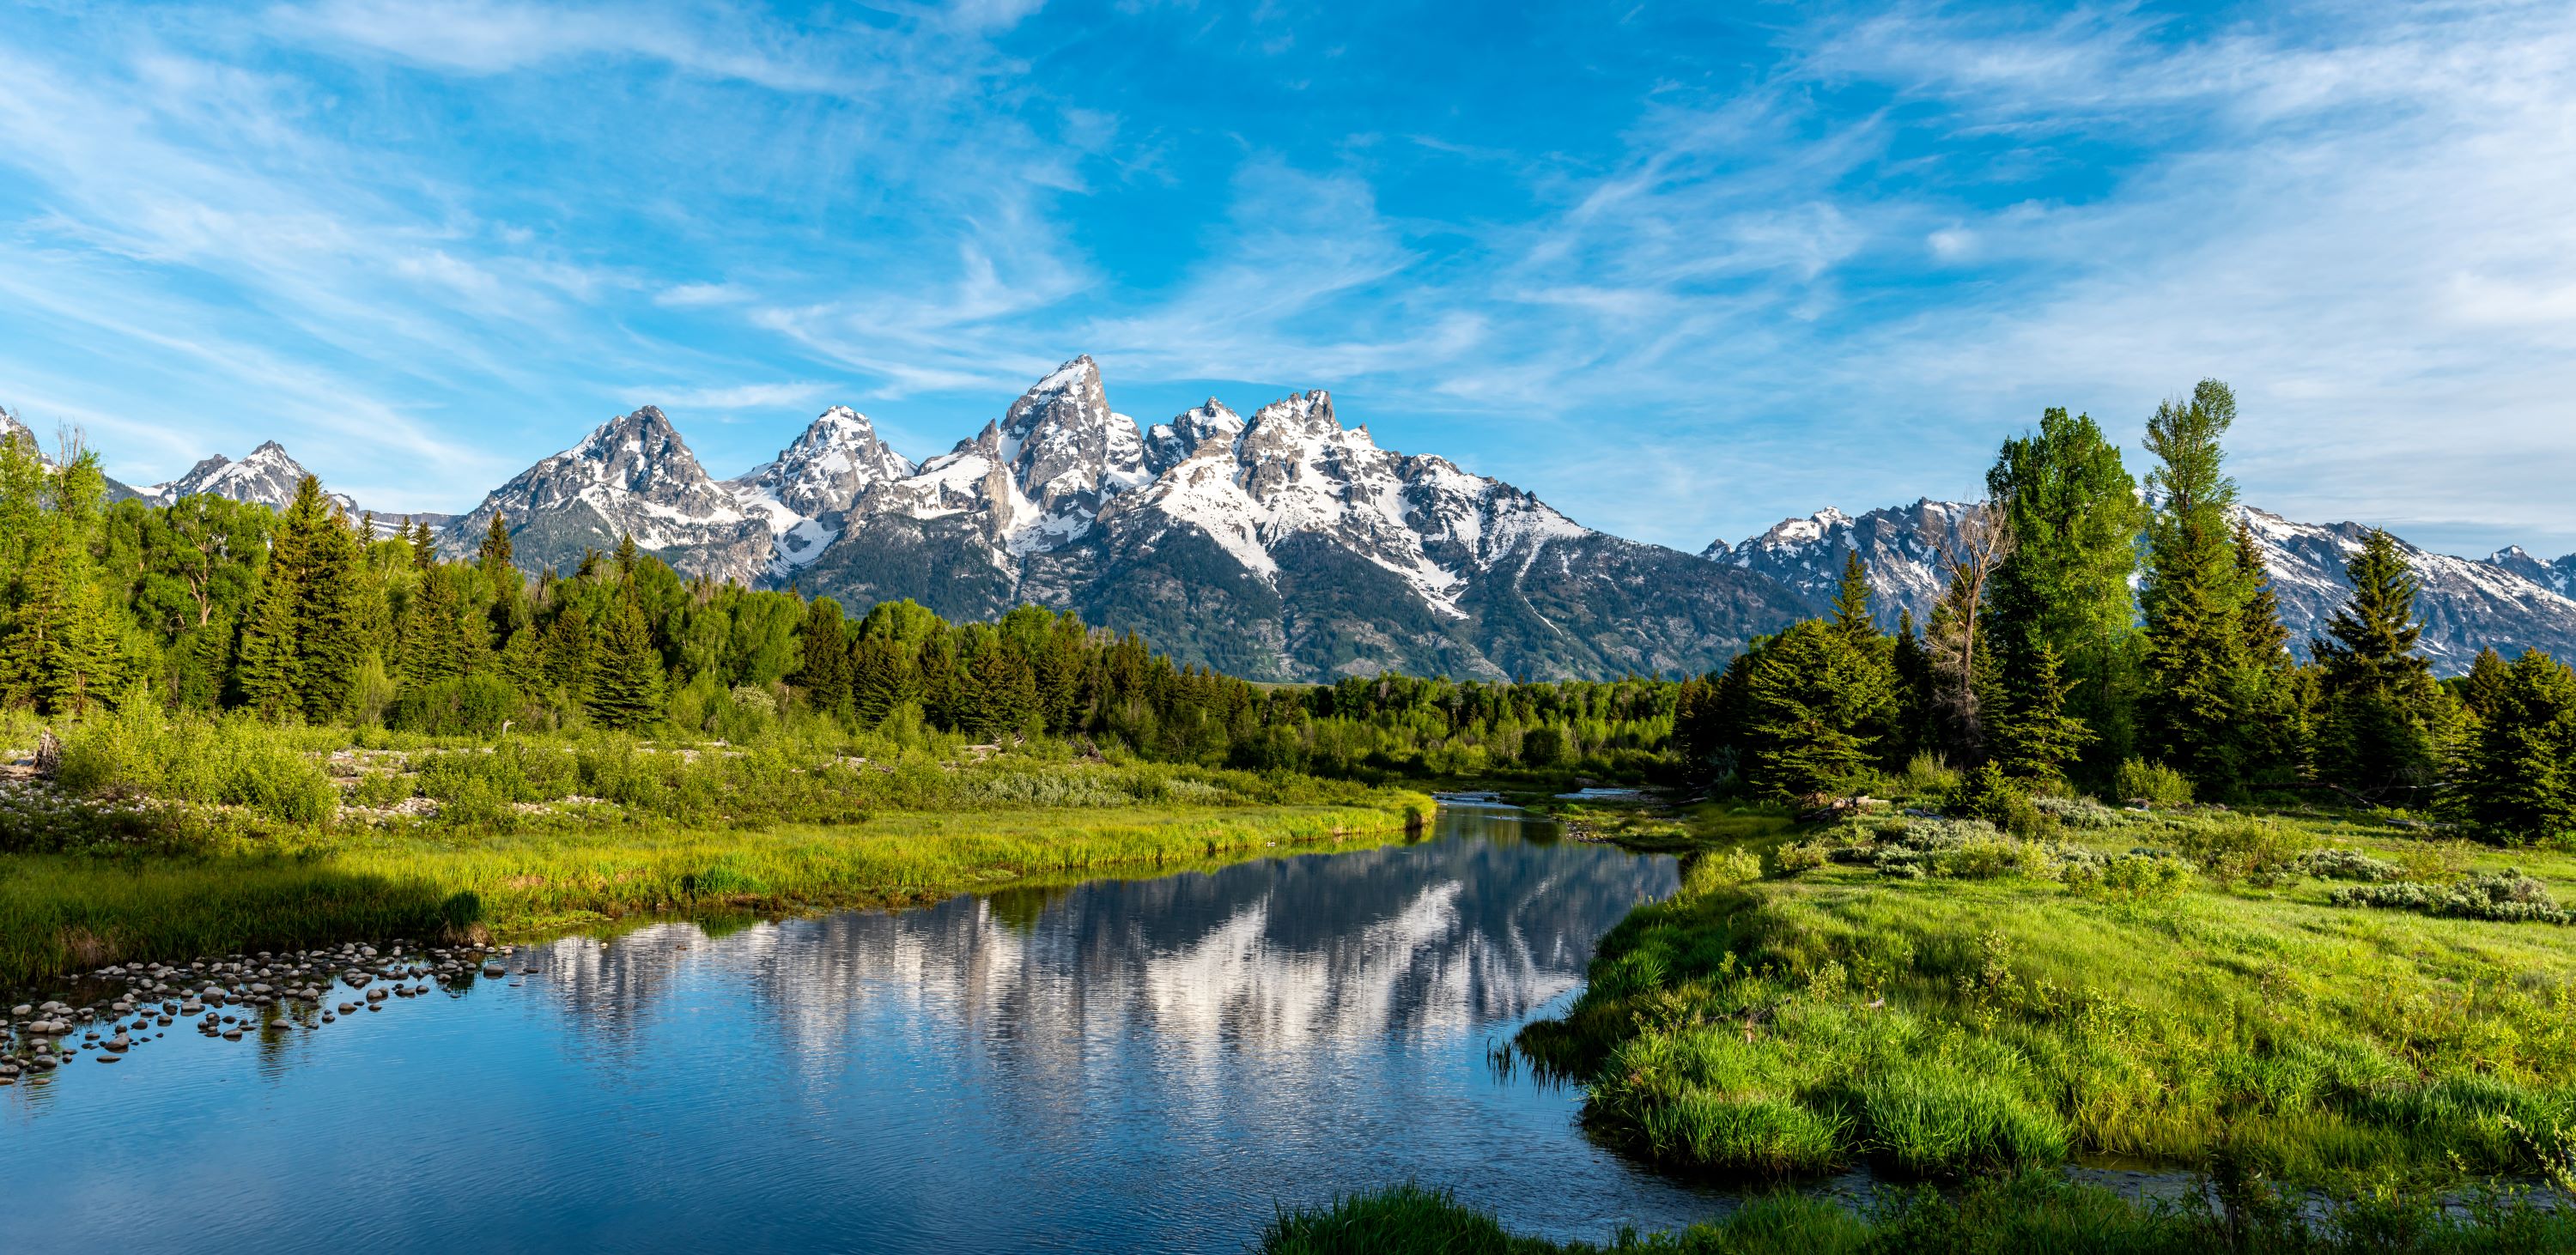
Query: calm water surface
[1123, 1065]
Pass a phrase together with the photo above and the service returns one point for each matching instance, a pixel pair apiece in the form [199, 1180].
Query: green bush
[2133, 877]
[377, 790]
[2151, 783]
[1926, 776]
[1801, 856]
[473, 705]
[1988, 794]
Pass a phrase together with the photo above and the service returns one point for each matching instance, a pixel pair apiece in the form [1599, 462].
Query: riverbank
[62, 913]
[1997, 1216]
[2196, 989]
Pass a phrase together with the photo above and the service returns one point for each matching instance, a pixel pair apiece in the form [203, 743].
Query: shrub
[2256, 851]
[377, 790]
[2138, 876]
[2153, 784]
[1926, 776]
[1987, 793]
[471, 705]
[1801, 856]
[2507, 896]
[2348, 865]
[2078, 812]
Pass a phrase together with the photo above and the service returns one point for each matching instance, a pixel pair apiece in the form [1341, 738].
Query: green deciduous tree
[2065, 586]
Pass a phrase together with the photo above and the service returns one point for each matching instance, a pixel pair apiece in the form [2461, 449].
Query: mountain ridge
[1285, 545]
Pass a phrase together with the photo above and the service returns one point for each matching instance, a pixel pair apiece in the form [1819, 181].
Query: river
[1126, 1064]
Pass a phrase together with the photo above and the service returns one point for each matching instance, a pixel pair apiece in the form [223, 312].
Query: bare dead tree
[1970, 552]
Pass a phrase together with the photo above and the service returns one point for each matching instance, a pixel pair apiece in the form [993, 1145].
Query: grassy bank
[2189, 989]
[2000, 1216]
[64, 912]
[169, 838]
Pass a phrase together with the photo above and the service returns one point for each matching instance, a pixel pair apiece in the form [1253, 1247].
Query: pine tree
[2515, 780]
[2482, 690]
[625, 689]
[2035, 738]
[424, 547]
[823, 657]
[1917, 696]
[331, 637]
[1852, 614]
[1811, 699]
[2195, 602]
[2381, 706]
[433, 640]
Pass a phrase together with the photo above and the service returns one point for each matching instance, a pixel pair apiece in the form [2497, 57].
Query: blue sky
[1682, 270]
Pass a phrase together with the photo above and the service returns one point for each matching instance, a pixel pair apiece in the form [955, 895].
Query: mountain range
[1288, 546]
[2510, 600]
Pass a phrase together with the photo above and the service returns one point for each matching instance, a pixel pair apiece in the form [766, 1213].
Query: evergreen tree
[1851, 601]
[2035, 738]
[2075, 519]
[625, 688]
[823, 658]
[433, 642]
[2381, 707]
[1917, 695]
[424, 547]
[331, 616]
[2194, 601]
[2515, 780]
[1811, 698]
[2482, 690]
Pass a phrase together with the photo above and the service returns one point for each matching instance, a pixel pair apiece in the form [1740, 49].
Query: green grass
[2027, 1214]
[2022, 1008]
[67, 912]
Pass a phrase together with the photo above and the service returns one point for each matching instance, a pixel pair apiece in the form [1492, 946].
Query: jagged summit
[802, 493]
[632, 475]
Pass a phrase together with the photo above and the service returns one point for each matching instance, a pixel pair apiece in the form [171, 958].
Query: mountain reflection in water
[1123, 1064]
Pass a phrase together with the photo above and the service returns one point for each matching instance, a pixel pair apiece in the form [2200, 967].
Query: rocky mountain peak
[837, 457]
[1168, 444]
[1067, 450]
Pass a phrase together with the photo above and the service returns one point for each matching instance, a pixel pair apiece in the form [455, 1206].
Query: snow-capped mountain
[2510, 602]
[803, 492]
[2558, 575]
[632, 475]
[269, 476]
[1900, 545]
[1283, 547]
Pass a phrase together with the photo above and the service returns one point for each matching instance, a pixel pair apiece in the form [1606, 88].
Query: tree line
[2090, 630]
[309, 615]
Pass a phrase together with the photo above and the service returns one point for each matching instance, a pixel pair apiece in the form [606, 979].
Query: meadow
[2298, 996]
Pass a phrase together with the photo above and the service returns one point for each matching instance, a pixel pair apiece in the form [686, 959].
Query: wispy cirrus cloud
[1680, 276]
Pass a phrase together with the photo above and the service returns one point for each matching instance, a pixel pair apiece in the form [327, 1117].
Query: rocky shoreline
[122, 1008]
